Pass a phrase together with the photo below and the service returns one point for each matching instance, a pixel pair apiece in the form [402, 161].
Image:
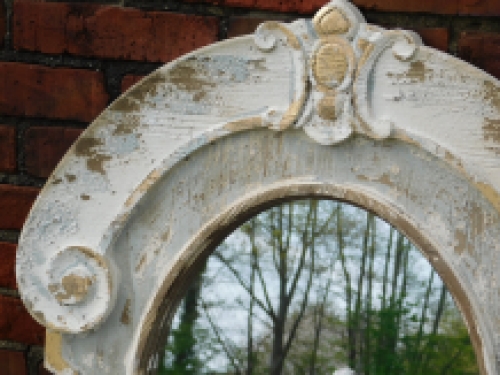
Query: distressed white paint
[331, 107]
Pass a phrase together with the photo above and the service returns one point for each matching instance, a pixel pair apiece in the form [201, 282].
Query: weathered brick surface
[480, 7]
[437, 37]
[7, 148]
[15, 203]
[129, 80]
[466, 7]
[3, 22]
[109, 32]
[45, 147]
[7, 265]
[429, 6]
[285, 6]
[16, 324]
[43, 371]
[64, 93]
[481, 49]
[12, 363]
[243, 25]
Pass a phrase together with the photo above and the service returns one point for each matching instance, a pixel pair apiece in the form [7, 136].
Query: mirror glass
[318, 287]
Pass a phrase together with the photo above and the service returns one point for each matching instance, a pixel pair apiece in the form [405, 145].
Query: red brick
[3, 22]
[7, 265]
[481, 49]
[7, 149]
[437, 37]
[287, 6]
[274, 5]
[16, 324]
[465, 7]
[241, 25]
[37, 91]
[129, 80]
[109, 32]
[311, 6]
[42, 370]
[12, 363]
[480, 7]
[15, 203]
[45, 147]
[428, 6]
[237, 3]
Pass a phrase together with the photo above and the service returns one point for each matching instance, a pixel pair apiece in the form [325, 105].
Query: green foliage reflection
[311, 287]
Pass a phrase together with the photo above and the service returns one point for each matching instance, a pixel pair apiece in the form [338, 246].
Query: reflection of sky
[228, 302]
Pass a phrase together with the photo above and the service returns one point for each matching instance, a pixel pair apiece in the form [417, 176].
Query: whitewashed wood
[329, 107]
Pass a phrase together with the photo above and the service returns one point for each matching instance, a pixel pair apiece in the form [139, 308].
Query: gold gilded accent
[363, 44]
[244, 124]
[73, 288]
[489, 193]
[53, 354]
[330, 65]
[327, 108]
[292, 113]
[367, 52]
[331, 21]
[76, 286]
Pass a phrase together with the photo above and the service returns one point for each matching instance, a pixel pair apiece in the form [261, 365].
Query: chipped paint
[368, 50]
[327, 108]
[88, 148]
[143, 187]
[492, 94]
[417, 72]
[292, 113]
[384, 179]
[70, 177]
[54, 360]
[74, 288]
[491, 130]
[187, 155]
[244, 124]
[490, 193]
[125, 317]
[141, 263]
[139, 93]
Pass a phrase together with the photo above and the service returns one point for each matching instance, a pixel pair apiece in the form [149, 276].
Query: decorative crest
[340, 63]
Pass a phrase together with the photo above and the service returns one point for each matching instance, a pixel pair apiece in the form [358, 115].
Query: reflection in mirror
[318, 287]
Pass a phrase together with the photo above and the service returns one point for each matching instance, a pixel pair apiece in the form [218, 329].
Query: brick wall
[62, 63]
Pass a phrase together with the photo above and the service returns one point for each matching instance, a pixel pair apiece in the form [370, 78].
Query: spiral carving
[82, 285]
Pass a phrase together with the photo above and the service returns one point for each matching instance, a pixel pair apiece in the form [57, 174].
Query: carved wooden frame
[207, 141]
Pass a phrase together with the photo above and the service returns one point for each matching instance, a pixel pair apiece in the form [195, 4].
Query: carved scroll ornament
[331, 101]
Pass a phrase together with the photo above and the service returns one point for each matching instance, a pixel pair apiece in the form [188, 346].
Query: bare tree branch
[221, 341]
[244, 286]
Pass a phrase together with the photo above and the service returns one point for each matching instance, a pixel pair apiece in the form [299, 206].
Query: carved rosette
[331, 100]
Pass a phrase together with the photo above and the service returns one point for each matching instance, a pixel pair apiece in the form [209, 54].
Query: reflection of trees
[311, 286]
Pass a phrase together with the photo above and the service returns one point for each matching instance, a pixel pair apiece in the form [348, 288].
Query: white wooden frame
[330, 107]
